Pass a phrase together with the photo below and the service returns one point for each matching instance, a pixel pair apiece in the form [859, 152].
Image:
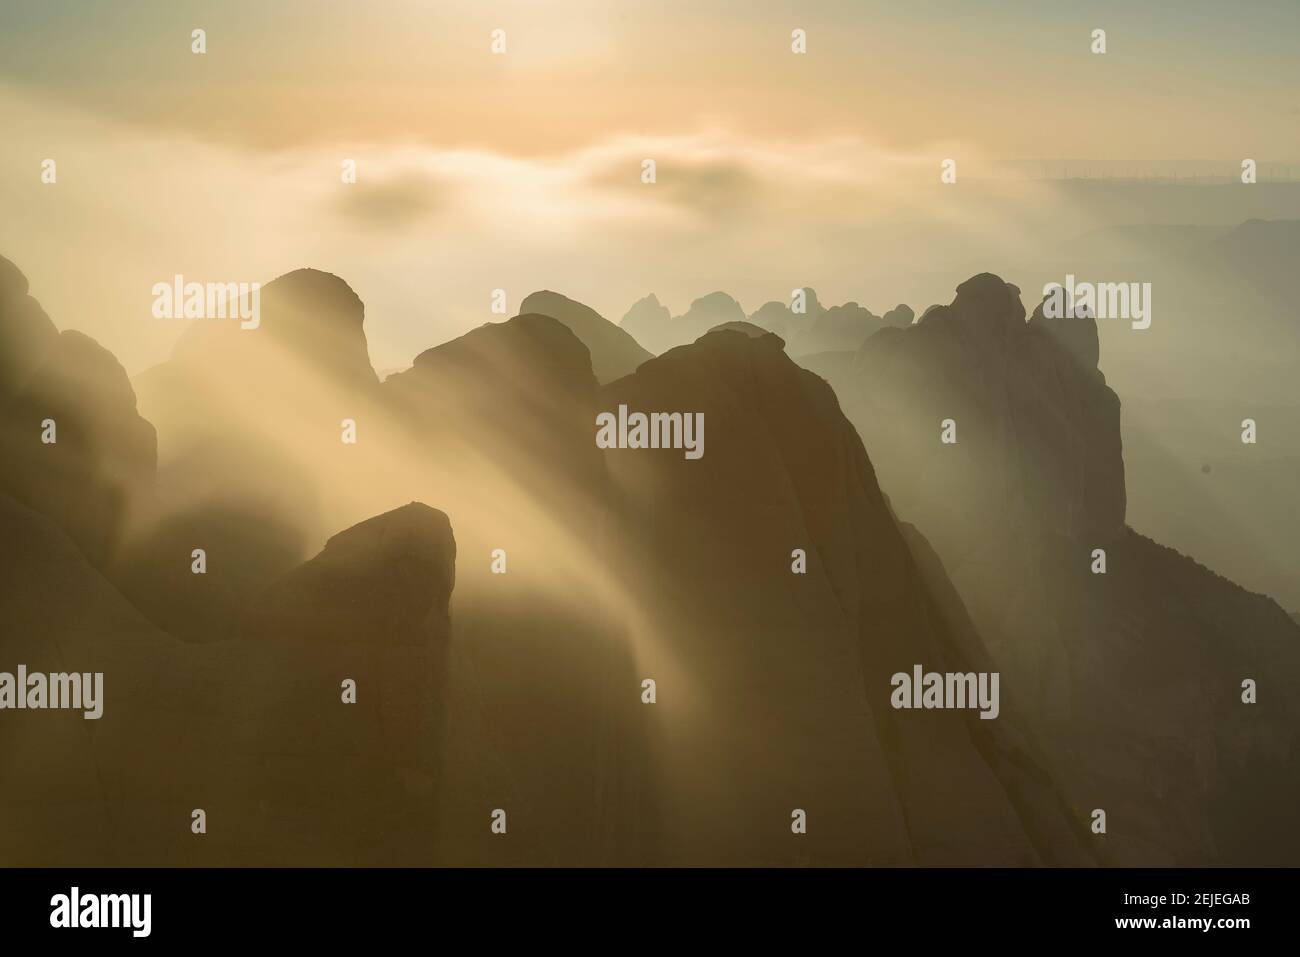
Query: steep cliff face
[342, 706]
[791, 673]
[1131, 681]
[994, 437]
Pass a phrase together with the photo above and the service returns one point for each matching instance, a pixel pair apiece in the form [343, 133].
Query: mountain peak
[105, 452]
[528, 338]
[748, 329]
[1077, 334]
[989, 293]
[378, 580]
[310, 315]
[614, 352]
[900, 315]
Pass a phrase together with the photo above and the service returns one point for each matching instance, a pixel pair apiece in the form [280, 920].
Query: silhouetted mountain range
[815, 328]
[1133, 676]
[614, 353]
[501, 641]
[1222, 348]
[790, 672]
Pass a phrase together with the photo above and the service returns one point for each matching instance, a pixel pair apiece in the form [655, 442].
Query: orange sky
[520, 171]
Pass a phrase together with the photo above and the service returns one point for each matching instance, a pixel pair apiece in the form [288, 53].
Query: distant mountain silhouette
[614, 353]
[1261, 257]
[1259, 243]
[649, 322]
[707, 312]
[1140, 667]
[901, 316]
[779, 318]
[839, 327]
[822, 329]
[1223, 346]
[815, 329]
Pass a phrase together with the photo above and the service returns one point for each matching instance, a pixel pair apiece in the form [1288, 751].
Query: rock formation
[73, 445]
[791, 672]
[614, 353]
[1132, 676]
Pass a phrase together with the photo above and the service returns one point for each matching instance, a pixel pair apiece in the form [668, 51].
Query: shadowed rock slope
[72, 444]
[1132, 677]
[578, 574]
[252, 730]
[499, 424]
[790, 673]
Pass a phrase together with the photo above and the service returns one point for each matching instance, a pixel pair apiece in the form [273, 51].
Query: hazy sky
[521, 171]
